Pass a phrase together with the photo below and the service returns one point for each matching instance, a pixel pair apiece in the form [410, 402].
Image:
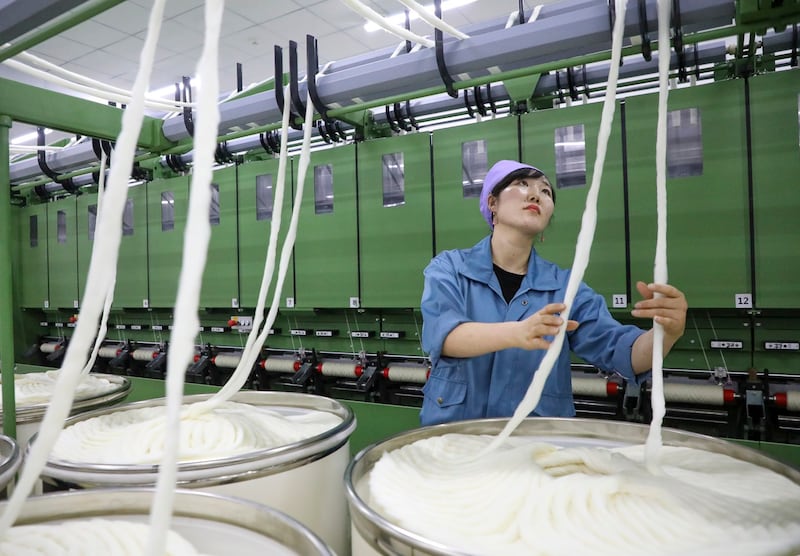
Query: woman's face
[525, 205]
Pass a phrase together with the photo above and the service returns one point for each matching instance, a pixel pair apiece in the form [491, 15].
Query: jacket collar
[478, 266]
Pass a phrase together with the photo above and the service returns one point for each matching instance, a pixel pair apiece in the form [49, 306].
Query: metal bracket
[440, 63]
[279, 97]
[68, 185]
[647, 49]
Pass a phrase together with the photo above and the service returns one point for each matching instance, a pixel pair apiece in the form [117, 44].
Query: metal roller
[49, 347]
[145, 354]
[398, 372]
[108, 352]
[280, 365]
[340, 368]
[706, 394]
[789, 400]
[598, 387]
[227, 360]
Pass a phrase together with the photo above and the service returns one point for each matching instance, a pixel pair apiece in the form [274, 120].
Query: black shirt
[509, 282]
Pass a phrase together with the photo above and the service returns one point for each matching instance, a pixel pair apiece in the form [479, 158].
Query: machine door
[708, 247]
[32, 281]
[774, 110]
[326, 250]
[62, 251]
[167, 203]
[394, 207]
[563, 144]
[462, 157]
[221, 277]
[256, 185]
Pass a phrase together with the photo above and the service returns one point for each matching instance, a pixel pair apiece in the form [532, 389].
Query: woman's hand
[529, 333]
[667, 309]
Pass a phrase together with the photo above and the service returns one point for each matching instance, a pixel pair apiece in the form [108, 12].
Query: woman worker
[490, 312]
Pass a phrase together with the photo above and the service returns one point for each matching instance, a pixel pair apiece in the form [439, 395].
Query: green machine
[378, 205]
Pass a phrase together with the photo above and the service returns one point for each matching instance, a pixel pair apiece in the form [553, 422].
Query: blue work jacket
[461, 286]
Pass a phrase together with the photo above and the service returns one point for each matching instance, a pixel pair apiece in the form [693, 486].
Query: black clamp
[677, 41]
[270, 141]
[612, 16]
[68, 184]
[294, 82]
[58, 353]
[440, 63]
[328, 129]
[585, 82]
[157, 368]
[176, 163]
[467, 104]
[185, 95]
[307, 370]
[521, 13]
[476, 92]
[573, 91]
[647, 48]
[123, 358]
[198, 371]
[490, 98]
[279, 97]
[369, 377]
[390, 118]
[558, 87]
[41, 192]
[222, 155]
[696, 62]
[793, 60]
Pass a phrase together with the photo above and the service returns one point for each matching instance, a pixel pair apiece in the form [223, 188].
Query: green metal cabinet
[326, 250]
[131, 290]
[165, 237]
[708, 248]
[775, 105]
[395, 227]
[221, 277]
[62, 250]
[542, 135]
[254, 232]
[32, 279]
[457, 182]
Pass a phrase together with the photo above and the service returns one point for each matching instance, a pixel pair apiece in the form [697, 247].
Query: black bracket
[294, 81]
[677, 40]
[270, 141]
[558, 87]
[696, 62]
[176, 163]
[185, 95]
[467, 104]
[521, 12]
[793, 61]
[41, 192]
[476, 92]
[490, 98]
[647, 48]
[222, 155]
[612, 15]
[440, 63]
[328, 129]
[279, 97]
[391, 119]
[573, 91]
[401, 120]
[585, 82]
[41, 157]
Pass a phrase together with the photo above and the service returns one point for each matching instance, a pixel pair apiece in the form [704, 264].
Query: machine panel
[775, 105]
[32, 279]
[462, 156]
[708, 217]
[563, 144]
[326, 250]
[167, 202]
[394, 206]
[256, 186]
[62, 252]
[221, 277]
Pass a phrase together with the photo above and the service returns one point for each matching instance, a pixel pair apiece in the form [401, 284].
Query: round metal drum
[10, 460]
[375, 534]
[29, 415]
[214, 525]
[302, 479]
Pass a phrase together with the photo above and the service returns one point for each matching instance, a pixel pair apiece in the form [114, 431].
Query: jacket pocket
[444, 400]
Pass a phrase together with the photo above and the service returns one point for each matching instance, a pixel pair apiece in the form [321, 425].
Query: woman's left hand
[667, 309]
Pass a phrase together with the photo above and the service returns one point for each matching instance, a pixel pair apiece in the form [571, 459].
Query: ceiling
[107, 47]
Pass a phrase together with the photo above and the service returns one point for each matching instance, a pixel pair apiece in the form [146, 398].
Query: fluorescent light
[32, 136]
[400, 19]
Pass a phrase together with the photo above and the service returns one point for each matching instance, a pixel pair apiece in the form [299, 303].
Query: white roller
[340, 368]
[108, 352]
[707, 394]
[590, 387]
[279, 365]
[398, 372]
[145, 354]
[49, 347]
[227, 360]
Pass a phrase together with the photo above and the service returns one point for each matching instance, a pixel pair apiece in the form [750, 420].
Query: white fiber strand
[104, 257]
[256, 339]
[653, 444]
[195, 251]
[385, 24]
[432, 20]
[585, 238]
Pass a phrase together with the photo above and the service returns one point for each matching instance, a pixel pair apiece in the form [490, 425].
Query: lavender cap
[494, 176]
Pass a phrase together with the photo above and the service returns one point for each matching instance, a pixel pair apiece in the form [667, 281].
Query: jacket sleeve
[600, 339]
[443, 304]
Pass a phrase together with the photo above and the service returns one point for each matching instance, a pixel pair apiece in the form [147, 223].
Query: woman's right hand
[530, 332]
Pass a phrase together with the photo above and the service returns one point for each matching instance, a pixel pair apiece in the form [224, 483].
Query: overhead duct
[564, 30]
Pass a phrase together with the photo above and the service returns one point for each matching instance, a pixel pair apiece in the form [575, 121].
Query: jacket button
[524, 302]
[439, 400]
